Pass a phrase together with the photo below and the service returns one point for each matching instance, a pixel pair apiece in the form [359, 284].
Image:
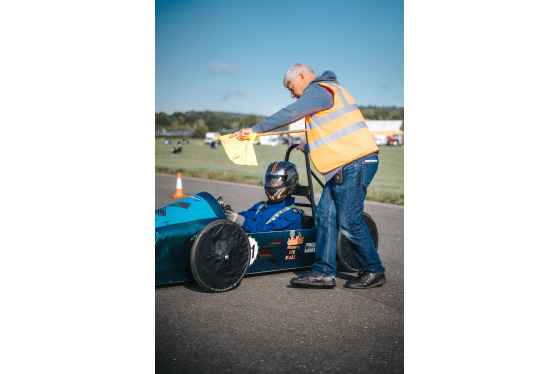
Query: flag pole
[282, 132]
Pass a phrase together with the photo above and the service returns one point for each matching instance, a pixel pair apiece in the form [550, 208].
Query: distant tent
[389, 127]
[297, 125]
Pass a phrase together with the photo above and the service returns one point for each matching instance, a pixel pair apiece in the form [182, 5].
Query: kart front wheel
[220, 256]
[344, 250]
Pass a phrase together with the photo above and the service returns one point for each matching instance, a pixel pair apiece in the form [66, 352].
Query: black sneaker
[366, 279]
[314, 280]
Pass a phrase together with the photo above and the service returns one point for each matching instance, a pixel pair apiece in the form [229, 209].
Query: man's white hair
[295, 70]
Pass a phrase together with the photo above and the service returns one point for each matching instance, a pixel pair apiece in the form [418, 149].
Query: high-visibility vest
[338, 135]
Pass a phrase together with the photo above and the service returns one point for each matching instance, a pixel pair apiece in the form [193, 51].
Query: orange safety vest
[338, 135]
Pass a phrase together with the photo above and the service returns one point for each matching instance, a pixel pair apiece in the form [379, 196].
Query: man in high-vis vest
[343, 150]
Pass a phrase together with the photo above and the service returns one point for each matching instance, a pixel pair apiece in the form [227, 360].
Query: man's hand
[242, 133]
[301, 146]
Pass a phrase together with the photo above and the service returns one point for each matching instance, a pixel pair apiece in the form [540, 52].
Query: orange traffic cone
[179, 189]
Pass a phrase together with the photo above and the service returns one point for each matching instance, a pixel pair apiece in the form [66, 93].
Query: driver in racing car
[279, 211]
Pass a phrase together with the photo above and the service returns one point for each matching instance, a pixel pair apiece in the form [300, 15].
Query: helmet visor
[274, 180]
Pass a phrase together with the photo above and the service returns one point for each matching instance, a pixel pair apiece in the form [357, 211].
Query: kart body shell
[178, 225]
[195, 241]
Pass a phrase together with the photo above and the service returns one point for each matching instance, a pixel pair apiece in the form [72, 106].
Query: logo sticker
[295, 240]
[309, 247]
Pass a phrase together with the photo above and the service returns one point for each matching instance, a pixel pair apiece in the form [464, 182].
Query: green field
[201, 161]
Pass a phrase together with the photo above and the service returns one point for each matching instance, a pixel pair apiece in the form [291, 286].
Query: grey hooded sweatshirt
[313, 99]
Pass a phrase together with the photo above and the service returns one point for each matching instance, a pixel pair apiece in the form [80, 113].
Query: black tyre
[344, 250]
[220, 256]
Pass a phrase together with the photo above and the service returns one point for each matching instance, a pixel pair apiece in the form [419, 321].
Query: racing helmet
[280, 180]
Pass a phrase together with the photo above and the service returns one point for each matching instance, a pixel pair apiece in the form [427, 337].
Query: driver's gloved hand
[234, 217]
[230, 214]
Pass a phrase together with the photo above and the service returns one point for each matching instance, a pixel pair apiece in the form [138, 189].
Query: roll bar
[306, 191]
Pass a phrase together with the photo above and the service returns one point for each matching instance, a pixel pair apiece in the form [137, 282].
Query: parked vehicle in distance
[210, 137]
[272, 140]
[380, 139]
[397, 139]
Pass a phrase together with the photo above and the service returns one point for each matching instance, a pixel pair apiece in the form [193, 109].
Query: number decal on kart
[254, 249]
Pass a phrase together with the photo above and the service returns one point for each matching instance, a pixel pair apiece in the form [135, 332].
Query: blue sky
[232, 55]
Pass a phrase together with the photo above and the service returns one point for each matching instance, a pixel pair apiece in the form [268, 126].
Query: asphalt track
[268, 326]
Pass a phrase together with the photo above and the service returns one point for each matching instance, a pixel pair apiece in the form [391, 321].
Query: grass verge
[201, 161]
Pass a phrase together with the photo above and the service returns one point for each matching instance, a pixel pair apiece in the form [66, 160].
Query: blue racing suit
[264, 216]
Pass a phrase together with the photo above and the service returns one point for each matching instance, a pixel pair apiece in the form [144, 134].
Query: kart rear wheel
[344, 251]
[220, 256]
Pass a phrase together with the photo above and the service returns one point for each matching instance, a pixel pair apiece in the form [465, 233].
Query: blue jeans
[342, 206]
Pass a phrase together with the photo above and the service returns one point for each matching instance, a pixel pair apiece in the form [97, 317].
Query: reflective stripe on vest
[338, 135]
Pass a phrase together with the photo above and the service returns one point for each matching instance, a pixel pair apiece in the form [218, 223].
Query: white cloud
[237, 92]
[220, 68]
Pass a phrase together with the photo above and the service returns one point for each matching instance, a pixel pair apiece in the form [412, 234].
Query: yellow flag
[240, 152]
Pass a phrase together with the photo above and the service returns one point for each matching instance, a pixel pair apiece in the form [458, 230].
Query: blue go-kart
[195, 240]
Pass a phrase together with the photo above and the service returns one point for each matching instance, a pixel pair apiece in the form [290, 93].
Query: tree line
[202, 122]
